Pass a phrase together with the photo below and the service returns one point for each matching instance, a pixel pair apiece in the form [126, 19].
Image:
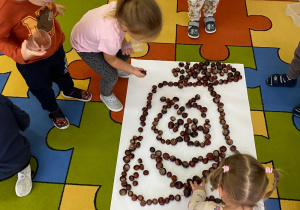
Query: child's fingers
[62, 7]
[203, 183]
[192, 185]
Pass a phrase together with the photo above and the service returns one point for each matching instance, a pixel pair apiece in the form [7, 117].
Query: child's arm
[20, 54]
[197, 201]
[122, 65]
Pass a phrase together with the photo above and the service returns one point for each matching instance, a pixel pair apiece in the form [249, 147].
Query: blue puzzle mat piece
[3, 79]
[296, 122]
[272, 203]
[277, 99]
[52, 164]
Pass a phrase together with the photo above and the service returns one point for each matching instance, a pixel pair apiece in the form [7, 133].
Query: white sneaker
[24, 183]
[112, 102]
[123, 74]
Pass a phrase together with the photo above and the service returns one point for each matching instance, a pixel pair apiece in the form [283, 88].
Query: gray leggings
[108, 73]
[294, 67]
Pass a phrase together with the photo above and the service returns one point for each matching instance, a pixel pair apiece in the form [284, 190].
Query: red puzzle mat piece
[233, 29]
[80, 70]
[159, 51]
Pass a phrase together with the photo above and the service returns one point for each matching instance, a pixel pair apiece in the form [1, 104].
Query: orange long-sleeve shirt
[20, 19]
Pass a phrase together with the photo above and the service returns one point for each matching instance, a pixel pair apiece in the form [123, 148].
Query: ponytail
[275, 183]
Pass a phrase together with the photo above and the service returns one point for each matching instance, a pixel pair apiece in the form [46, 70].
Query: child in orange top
[242, 181]
[39, 68]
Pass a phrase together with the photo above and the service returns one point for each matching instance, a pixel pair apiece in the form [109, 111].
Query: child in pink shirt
[99, 36]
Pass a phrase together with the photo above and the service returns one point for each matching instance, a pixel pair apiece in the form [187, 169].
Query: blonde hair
[246, 181]
[142, 17]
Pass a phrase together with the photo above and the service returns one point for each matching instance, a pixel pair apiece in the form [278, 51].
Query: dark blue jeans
[40, 75]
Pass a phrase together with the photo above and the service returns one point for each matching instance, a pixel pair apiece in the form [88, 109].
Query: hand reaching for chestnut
[139, 72]
[195, 186]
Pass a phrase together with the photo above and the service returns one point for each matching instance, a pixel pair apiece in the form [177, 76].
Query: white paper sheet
[236, 105]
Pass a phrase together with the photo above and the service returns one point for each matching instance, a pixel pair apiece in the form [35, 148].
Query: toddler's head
[142, 18]
[242, 180]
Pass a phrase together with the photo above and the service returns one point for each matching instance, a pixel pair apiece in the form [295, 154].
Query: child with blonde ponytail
[99, 35]
[242, 181]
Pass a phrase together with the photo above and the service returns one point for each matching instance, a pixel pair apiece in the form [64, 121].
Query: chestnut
[177, 197]
[133, 197]
[162, 171]
[187, 192]
[123, 192]
[178, 184]
[140, 197]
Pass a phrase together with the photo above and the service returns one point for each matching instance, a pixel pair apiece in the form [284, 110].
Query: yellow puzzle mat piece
[259, 123]
[78, 197]
[290, 205]
[282, 29]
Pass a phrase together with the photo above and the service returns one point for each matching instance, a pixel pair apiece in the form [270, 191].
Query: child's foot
[59, 119]
[80, 95]
[210, 25]
[24, 183]
[296, 111]
[193, 29]
[112, 102]
[123, 74]
[280, 80]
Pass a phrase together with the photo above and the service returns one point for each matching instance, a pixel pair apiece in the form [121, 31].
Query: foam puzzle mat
[75, 168]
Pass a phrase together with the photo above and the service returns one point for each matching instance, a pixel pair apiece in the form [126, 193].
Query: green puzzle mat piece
[282, 150]
[74, 12]
[254, 96]
[93, 159]
[50, 200]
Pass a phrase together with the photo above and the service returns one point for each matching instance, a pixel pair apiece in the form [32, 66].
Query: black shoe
[281, 80]
[80, 95]
[59, 119]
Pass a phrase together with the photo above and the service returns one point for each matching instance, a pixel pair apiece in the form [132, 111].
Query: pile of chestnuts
[207, 74]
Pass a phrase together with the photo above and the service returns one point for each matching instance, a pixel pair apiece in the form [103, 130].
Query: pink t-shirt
[96, 33]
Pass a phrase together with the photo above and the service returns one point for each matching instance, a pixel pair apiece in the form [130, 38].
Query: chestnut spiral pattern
[204, 74]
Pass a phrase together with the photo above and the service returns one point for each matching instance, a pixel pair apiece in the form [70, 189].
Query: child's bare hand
[28, 54]
[195, 186]
[60, 9]
[139, 72]
[128, 51]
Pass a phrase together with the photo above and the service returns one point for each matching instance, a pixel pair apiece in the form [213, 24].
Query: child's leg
[61, 76]
[195, 9]
[290, 78]
[294, 67]
[37, 77]
[60, 72]
[194, 14]
[109, 76]
[209, 10]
